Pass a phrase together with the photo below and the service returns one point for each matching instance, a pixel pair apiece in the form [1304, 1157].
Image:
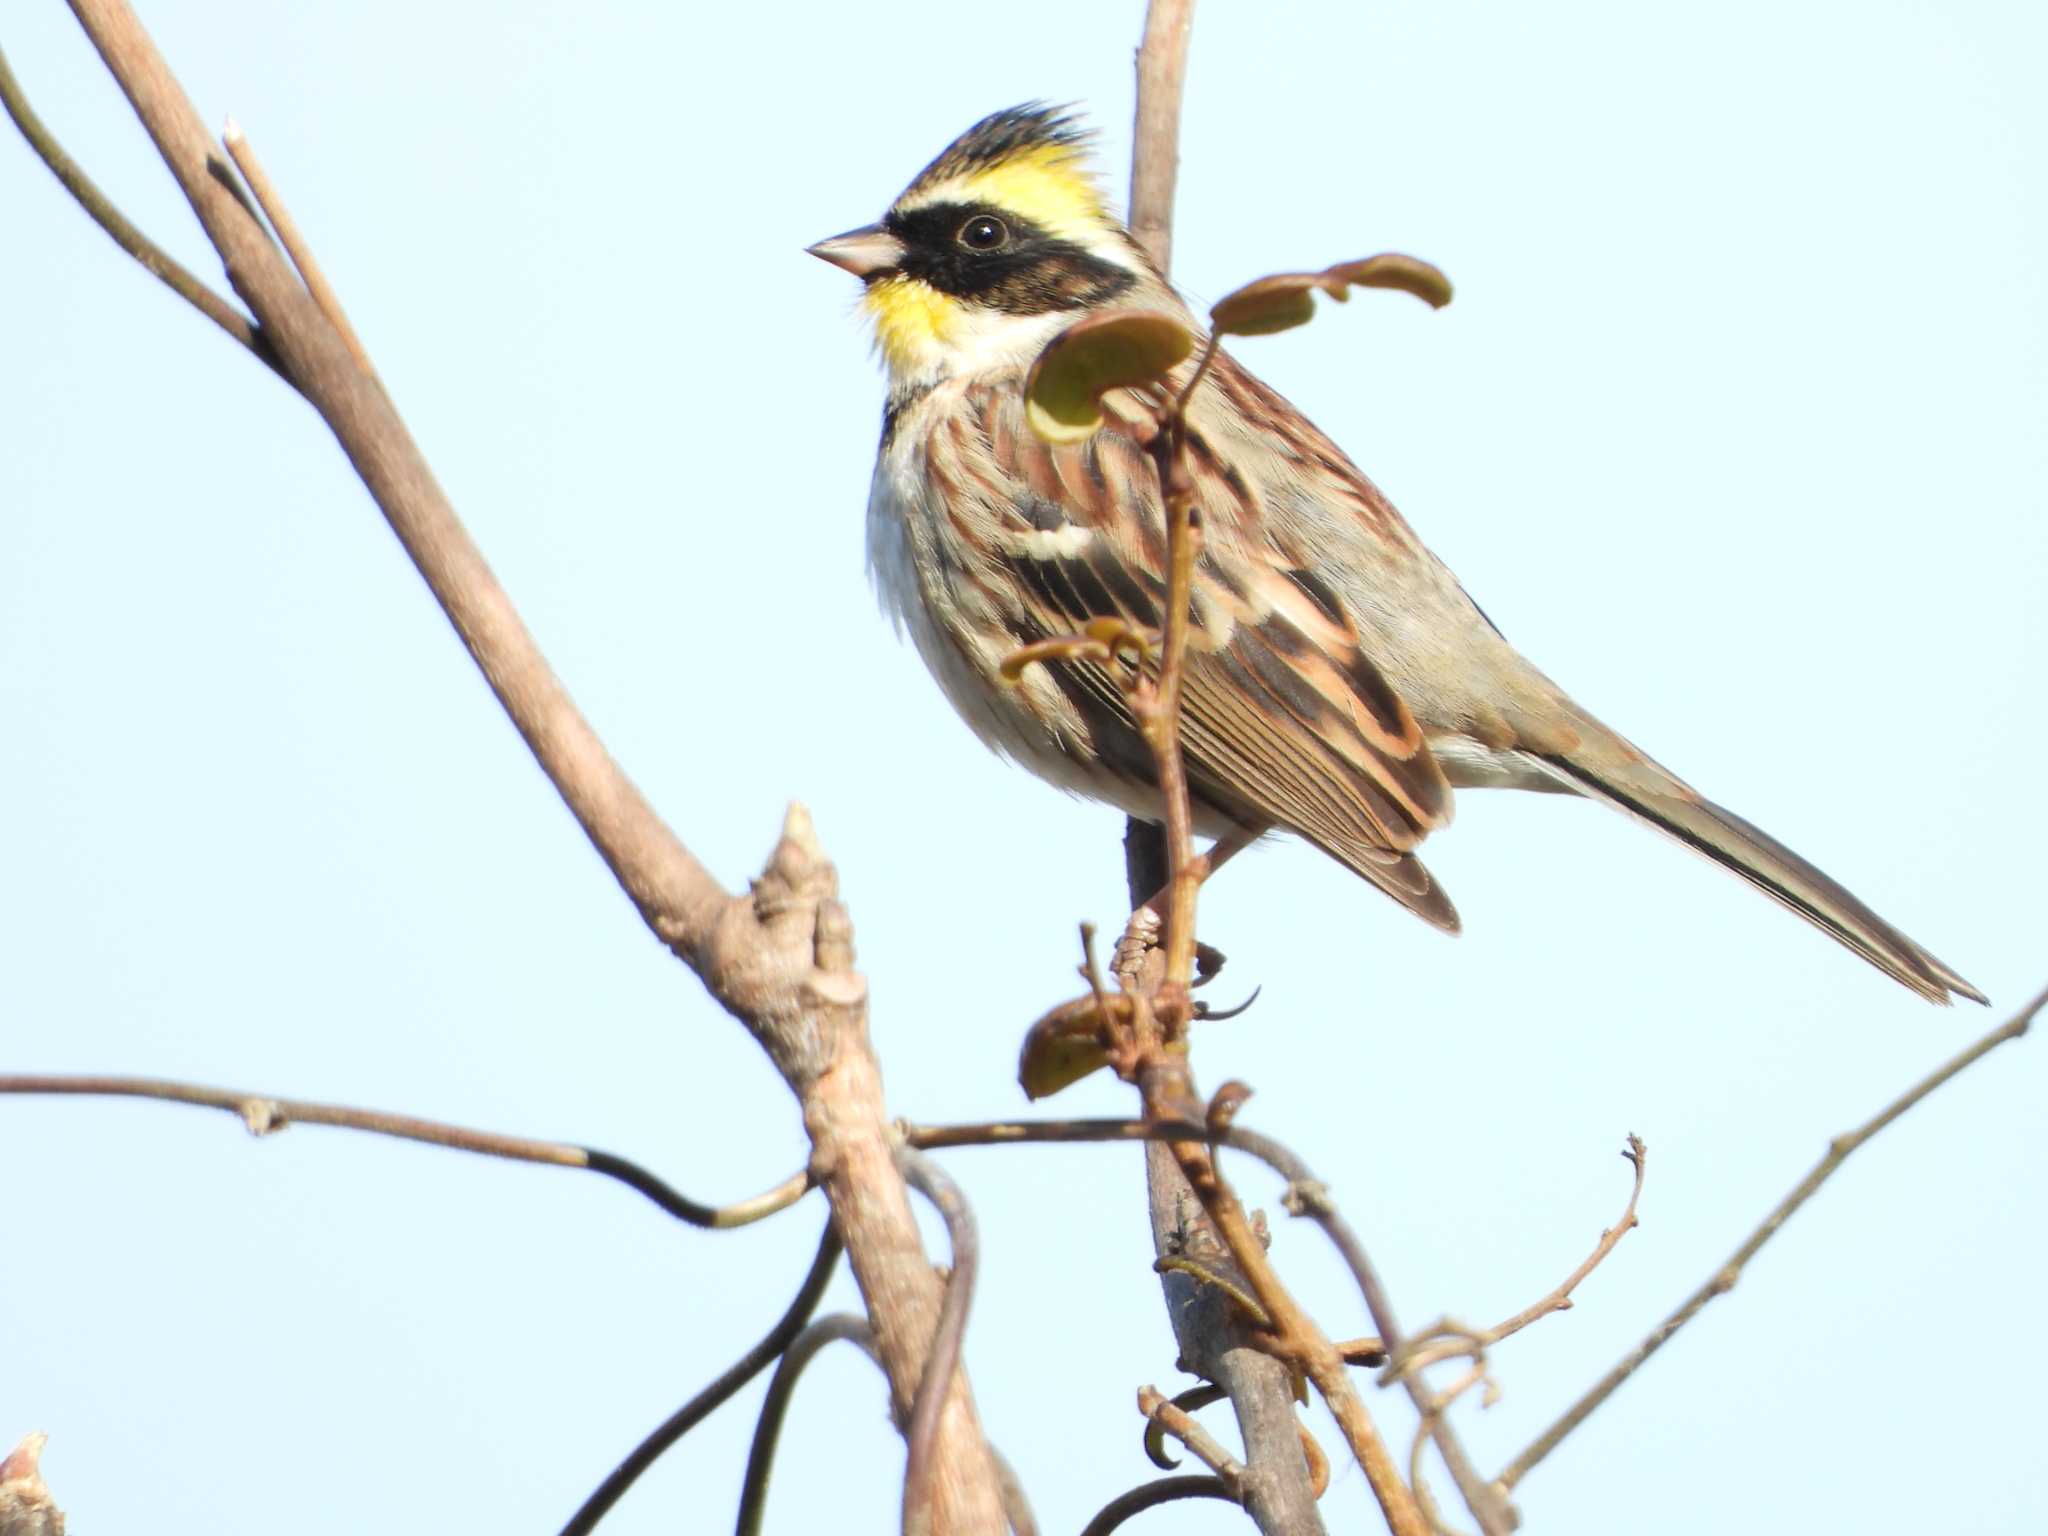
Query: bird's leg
[1220, 853]
[1143, 929]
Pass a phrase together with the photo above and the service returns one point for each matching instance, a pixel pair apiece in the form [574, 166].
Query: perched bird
[1338, 682]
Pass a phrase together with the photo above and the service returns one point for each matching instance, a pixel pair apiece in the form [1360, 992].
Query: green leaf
[1287, 299]
[1118, 349]
[1067, 1045]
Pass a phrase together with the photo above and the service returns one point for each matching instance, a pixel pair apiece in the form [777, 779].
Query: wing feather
[1286, 720]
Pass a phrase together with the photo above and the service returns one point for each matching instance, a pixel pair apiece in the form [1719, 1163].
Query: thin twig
[1723, 1279]
[1172, 1419]
[781, 1386]
[1155, 154]
[700, 1407]
[266, 1115]
[1192, 1400]
[1158, 713]
[153, 257]
[1439, 1404]
[1422, 1350]
[271, 201]
[931, 1181]
[1561, 1298]
[1318, 1461]
[1151, 1495]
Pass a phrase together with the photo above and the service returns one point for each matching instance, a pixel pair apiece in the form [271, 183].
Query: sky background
[1735, 427]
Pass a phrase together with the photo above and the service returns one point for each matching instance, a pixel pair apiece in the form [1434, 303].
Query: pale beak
[866, 252]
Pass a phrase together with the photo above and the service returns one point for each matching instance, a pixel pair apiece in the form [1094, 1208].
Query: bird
[1339, 683]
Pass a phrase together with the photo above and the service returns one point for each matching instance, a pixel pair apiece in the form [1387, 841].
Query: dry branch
[123, 232]
[1723, 1279]
[1162, 71]
[779, 958]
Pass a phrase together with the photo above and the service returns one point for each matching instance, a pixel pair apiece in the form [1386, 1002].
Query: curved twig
[931, 1181]
[1448, 1340]
[1170, 1418]
[781, 1387]
[1318, 1460]
[1195, 1398]
[1723, 1279]
[700, 1407]
[1151, 1495]
[1561, 1298]
[101, 210]
[266, 1115]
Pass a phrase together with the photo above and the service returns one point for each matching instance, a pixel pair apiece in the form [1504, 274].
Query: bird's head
[992, 247]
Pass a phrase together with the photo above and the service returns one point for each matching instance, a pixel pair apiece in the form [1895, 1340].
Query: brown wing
[1286, 721]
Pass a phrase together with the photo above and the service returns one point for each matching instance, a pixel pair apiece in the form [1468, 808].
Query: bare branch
[1561, 1298]
[153, 257]
[780, 957]
[1155, 151]
[1424, 1349]
[271, 202]
[266, 1115]
[700, 1407]
[1723, 1279]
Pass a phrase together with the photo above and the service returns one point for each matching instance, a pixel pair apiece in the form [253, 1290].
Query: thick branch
[780, 958]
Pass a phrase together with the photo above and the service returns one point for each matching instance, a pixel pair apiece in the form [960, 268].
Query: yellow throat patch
[913, 322]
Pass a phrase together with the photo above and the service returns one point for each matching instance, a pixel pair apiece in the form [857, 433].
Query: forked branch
[778, 957]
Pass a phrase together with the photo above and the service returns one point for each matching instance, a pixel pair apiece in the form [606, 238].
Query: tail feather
[1780, 873]
[1401, 875]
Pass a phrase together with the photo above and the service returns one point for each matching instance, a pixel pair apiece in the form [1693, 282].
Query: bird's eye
[984, 232]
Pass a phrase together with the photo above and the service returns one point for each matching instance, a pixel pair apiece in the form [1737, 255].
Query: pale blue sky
[1735, 426]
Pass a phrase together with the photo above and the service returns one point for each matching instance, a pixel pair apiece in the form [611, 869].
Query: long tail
[1775, 870]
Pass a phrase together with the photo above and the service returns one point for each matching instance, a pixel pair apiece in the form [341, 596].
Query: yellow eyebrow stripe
[1048, 185]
